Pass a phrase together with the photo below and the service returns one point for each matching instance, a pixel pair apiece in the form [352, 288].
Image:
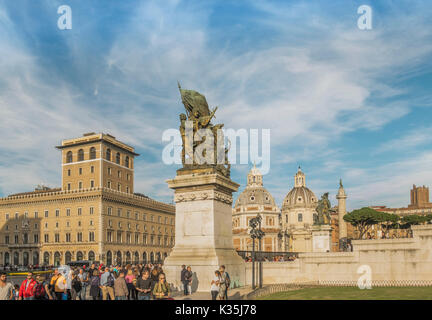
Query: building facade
[254, 200]
[95, 215]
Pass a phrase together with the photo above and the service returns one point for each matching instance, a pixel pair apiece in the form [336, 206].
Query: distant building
[95, 215]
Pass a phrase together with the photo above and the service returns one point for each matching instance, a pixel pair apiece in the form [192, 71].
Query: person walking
[76, 285]
[6, 288]
[107, 284]
[26, 291]
[225, 283]
[214, 289]
[183, 279]
[83, 277]
[41, 289]
[120, 287]
[188, 281]
[161, 290]
[144, 286]
[95, 285]
[130, 277]
[58, 284]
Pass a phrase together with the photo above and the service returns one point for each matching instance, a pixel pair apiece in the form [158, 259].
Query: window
[91, 183]
[119, 237]
[91, 210]
[127, 162]
[109, 211]
[56, 225]
[300, 217]
[69, 172]
[109, 184]
[80, 171]
[119, 212]
[68, 211]
[79, 211]
[118, 158]
[159, 219]
[136, 238]
[119, 187]
[16, 215]
[109, 171]
[128, 238]
[152, 239]
[144, 217]
[286, 218]
[128, 214]
[151, 218]
[144, 239]
[46, 238]
[80, 155]
[16, 238]
[136, 215]
[6, 239]
[46, 225]
[119, 225]
[36, 214]
[7, 216]
[109, 236]
[79, 223]
[108, 154]
[80, 184]
[69, 157]
[91, 222]
[68, 237]
[129, 225]
[92, 153]
[67, 224]
[92, 169]
[36, 226]
[110, 223]
[26, 214]
[25, 238]
[91, 236]
[79, 237]
[57, 213]
[68, 186]
[57, 237]
[166, 220]
[119, 174]
[128, 177]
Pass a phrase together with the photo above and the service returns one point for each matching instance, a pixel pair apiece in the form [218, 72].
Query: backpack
[76, 284]
[39, 292]
[110, 280]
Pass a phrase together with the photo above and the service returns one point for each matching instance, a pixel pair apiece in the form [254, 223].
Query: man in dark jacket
[183, 280]
[144, 286]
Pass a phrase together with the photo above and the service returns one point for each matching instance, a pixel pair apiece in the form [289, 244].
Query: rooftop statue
[199, 114]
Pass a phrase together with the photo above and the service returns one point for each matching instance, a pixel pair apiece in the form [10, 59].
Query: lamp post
[260, 235]
[253, 223]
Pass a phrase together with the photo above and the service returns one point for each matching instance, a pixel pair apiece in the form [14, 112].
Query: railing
[269, 256]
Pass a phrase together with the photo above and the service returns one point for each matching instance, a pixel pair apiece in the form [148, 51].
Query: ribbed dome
[301, 196]
[255, 195]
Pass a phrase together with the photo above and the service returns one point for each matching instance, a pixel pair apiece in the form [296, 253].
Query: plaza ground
[353, 293]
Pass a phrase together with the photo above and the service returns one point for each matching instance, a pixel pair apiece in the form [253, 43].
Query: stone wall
[392, 262]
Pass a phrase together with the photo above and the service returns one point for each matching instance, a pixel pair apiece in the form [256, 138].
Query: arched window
[26, 258]
[128, 257]
[158, 257]
[145, 257]
[127, 162]
[6, 258]
[46, 258]
[118, 258]
[109, 258]
[108, 154]
[80, 155]
[91, 256]
[68, 257]
[80, 256]
[69, 157]
[118, 158]
[56, 259]
[35, 258]
[136, 257]
[16, 258]
[92, 153]
[152, 257]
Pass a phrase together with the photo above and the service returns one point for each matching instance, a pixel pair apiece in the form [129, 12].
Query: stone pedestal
[203, 229]
[321, 238]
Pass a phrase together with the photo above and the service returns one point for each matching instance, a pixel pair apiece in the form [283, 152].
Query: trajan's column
[203, 196]
[341, 197]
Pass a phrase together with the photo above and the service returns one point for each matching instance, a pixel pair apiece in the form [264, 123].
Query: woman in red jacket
[27, 286]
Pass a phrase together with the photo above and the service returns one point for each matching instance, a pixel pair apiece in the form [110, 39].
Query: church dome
[300, 195]
[255, 193]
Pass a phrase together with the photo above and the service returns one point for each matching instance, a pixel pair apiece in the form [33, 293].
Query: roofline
[96, 141]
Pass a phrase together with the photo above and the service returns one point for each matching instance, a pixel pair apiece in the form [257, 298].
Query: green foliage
[363, 219]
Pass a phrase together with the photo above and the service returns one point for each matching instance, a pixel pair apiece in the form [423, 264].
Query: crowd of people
[130, 282]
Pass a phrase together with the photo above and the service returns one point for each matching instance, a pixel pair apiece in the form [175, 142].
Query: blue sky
[339, 101]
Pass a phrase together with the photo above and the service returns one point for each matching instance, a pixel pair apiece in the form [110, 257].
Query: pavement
[233, 294]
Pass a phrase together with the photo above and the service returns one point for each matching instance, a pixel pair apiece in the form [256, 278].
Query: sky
[340, 102]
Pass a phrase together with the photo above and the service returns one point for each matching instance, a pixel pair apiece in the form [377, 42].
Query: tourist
[214, 290]
[154, 276]
[6, 288]
[188, 280]
[161, 290]
[130, 277]
[83, 277]
[57, 284]
[41, 289]
[144, 286]
[95, 285]
[183, 280]
[121, 291]
[76, 285]
[26, 291]
[225, 282]
[16, 292]
[107, 284]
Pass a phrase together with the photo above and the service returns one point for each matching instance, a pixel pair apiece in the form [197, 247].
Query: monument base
[321, 238]
[203, 238]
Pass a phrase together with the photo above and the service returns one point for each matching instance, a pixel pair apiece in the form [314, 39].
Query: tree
[387, 220]
[363, 219]
[414, 219]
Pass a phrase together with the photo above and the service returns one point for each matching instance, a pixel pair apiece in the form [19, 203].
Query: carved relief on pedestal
[203, 195]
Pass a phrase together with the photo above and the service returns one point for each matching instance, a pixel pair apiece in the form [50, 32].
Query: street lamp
[253, 223]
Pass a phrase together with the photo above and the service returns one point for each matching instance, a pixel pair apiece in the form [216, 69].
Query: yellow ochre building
[95, 215]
